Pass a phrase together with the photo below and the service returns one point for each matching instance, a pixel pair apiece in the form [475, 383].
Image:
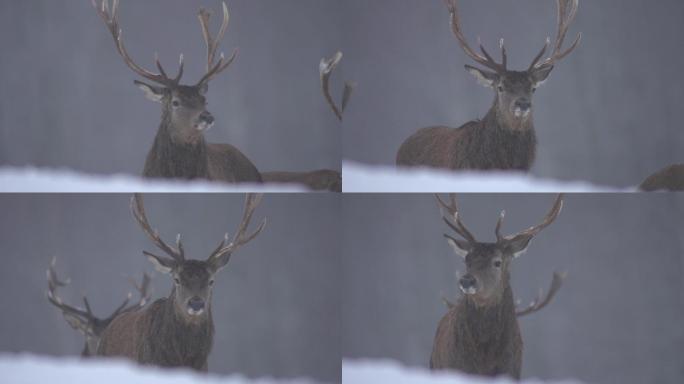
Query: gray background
[275, 305]
[68, 100]
[617, 318]
[610, 113]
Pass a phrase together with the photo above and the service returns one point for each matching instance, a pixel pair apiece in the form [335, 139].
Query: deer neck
[489, 322]
[177, 155]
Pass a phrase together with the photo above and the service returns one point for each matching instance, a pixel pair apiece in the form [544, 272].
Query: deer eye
[497, 263]
[211, 282]
[176, 280]
[175, 103]
[500, 88]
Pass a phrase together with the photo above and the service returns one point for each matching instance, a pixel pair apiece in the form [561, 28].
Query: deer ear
[485, 78]
[461, 248]
[540, 74]
[217, 263]
[161, 265]
[153, 93]
[518, 245]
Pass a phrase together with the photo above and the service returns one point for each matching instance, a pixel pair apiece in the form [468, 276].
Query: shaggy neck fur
[179, 342]
[501, 144]
[487, 332]
[175, 157]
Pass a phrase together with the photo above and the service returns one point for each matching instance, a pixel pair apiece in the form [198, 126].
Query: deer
[505, 138]
[178, 330]
[670, 178]
[180, 149]
[83, 320]
[480, 334]
[321, 179]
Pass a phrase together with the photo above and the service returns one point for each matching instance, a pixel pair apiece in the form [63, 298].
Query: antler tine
[326, 68]
[486, 60]
[548, 219]
[112, 23]
[540, 303]
[53, 283]
[213, 43]
[138, 210]
[499, 223]
[567, 11]
[240, 239]
[453, 215]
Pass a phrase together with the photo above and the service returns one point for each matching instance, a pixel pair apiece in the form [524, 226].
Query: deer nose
[523, 104]
[196, 303]
[467, 282]
[206, 117]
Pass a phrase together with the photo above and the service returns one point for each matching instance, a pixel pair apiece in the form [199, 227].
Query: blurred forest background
[616, 319]
[275, 305]
[68, 100]
[610, 113]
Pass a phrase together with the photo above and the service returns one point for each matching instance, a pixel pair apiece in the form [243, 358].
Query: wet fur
[196, 159]
[157, 335]
[487, 144]
[479, 340]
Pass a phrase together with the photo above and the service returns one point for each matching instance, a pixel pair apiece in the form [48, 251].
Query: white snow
[370, 178]
[30, 179]
[387, 371]
[32, 369]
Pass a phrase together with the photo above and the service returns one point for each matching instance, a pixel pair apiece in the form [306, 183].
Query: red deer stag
[505, 139]
[83, 320]
[179, 149]
[480, 333]
[176, 331]
[321, 179]
[669, 179]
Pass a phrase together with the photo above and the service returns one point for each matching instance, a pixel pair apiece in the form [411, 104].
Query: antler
[112, 23]
[485, 60]
[76, 317]
[452, 215]
[240, 238]
[540, 303]
[326, 68]
[85, 320]
[138, 209]
[567, 10]
[532, 231]
[213, 43]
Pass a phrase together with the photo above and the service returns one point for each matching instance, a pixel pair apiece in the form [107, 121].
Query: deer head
[194, 279]
[83, 320]
[184, 106]
[487, 264]
[514, 89]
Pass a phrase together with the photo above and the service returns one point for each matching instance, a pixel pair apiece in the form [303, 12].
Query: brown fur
[158, 335]
[481, 340]
[488, 144]
[669, 179]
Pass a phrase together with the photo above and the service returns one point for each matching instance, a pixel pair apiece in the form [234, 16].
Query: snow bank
[366, 178]
[31, 179]
[386, 371]
[30, 369]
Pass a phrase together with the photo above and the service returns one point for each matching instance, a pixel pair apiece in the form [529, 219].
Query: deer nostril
[196, 303]
[467, 281]
[523, 104]
[207, 117]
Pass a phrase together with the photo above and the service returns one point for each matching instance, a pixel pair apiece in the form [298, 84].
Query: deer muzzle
[468, 284]
[195, 306]
[522, 107]
[205, 121]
